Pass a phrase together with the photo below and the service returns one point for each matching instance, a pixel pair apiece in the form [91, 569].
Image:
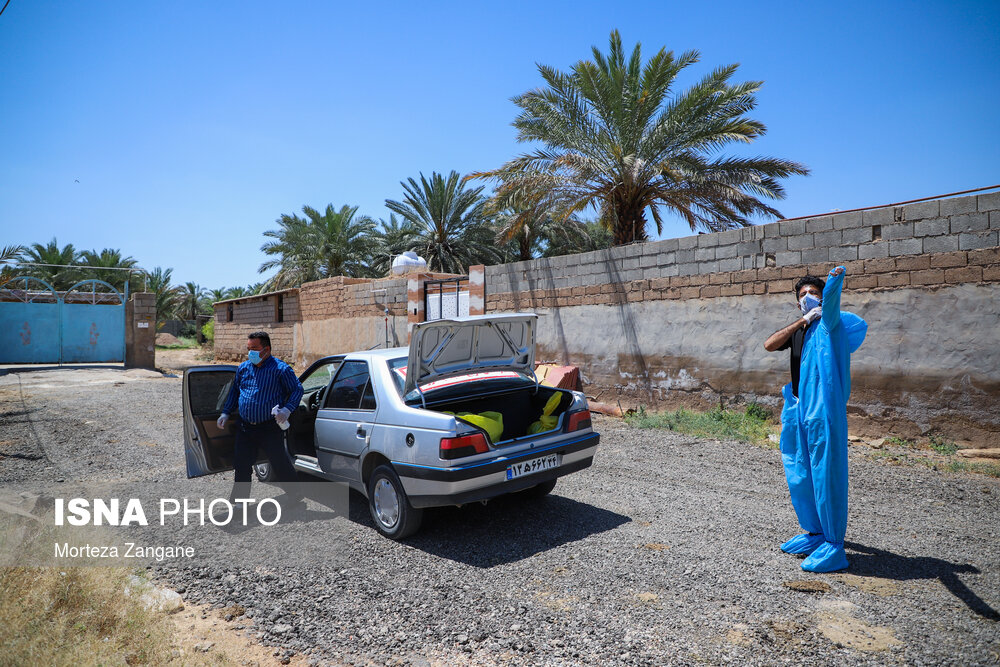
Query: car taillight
[466, 445]
[578, 420]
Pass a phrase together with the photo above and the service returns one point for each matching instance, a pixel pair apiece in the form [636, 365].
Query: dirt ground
[177, 359]
[222, 637]
[664, 552]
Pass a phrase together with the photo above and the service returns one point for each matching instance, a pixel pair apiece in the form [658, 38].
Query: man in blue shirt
[267, 392]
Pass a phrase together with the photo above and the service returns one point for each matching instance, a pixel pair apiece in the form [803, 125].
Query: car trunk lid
[440, 349]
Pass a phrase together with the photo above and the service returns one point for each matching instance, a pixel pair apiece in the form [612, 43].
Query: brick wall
[140, 330]
[323, 317]
[345, 314]
[257, 313]
[685, 318]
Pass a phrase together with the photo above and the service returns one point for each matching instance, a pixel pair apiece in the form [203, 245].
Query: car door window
[349, 387]
[208, 392]
[368, 396]
[319, 377]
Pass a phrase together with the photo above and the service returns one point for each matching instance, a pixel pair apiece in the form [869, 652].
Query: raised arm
[831, 298]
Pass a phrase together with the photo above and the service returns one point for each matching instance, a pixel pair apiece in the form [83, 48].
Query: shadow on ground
[506, 530]
[872, 562]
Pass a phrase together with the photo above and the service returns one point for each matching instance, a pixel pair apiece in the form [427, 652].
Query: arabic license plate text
[534, 465]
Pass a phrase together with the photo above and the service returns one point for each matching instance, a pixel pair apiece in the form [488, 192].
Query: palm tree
[451, 233]
[191, 299]
[249, 290]
[9, 255]
[214, 295]
[296, 259]
[59, 271]
[615, 136]
[593, 235]
[332, 243]
[526, 233]
[394, 238]
[111, 258]
[168, 297]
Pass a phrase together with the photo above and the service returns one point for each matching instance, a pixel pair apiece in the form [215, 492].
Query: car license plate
[534, 465]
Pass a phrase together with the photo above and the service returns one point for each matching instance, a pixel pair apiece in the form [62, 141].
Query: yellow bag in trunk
[547, 421]
[491, 422]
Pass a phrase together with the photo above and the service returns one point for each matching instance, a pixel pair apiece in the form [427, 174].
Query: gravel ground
[664, 552]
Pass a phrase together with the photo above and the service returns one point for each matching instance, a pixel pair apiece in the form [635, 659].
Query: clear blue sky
[191, 126]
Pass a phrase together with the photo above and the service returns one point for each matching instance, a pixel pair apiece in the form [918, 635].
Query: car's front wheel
[389, 507]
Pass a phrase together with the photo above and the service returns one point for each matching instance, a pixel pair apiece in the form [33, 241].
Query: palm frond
[614, 134]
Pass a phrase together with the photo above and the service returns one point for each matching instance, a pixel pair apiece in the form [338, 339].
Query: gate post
[414, 302]
[477, 290]
[140, 330]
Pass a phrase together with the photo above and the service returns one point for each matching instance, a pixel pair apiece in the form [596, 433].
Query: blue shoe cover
[827, 558]
[805, 544]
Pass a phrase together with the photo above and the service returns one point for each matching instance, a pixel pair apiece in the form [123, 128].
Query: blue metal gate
[93, 323]
[37, 325]
[29, 322]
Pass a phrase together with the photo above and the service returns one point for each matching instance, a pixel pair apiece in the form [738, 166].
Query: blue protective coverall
[814, 433]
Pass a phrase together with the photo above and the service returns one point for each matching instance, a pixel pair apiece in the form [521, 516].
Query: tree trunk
[630, 225]
[524, 245]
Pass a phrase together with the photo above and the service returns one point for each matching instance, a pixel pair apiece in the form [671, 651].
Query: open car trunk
[520, 409]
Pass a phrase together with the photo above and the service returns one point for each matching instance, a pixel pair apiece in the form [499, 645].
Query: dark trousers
[269, 437]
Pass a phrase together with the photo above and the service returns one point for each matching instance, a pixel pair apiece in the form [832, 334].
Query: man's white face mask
[808, 302]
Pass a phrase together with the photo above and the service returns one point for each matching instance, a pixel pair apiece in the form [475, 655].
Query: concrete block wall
[959, 224]
[669, 321]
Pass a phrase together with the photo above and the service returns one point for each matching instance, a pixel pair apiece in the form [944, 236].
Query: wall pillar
[477, 290]
[414, 302]
[140, 330]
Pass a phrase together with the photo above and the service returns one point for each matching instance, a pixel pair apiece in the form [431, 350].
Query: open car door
[207, 448]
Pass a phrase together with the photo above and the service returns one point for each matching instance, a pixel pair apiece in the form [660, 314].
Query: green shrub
[716, 423]
[208, 330]
[990, 469]
[942, 446]
[758, 411]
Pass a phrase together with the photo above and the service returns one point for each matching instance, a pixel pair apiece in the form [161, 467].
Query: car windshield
[397, 368]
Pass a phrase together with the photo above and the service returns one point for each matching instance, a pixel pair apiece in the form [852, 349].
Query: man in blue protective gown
[814, 419]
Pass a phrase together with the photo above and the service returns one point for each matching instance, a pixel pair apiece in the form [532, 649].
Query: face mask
[809, 302]
[254, 356]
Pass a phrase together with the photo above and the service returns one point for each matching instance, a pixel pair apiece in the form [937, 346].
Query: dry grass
[77, 616]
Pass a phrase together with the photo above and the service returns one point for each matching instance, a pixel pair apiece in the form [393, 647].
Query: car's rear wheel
[389, 507]
[539, 490]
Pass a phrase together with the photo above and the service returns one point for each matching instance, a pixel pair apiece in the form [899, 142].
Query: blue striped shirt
[260, 388]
